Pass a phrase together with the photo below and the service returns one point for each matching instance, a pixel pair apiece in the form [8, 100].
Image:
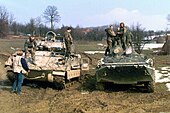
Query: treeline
[36, 27]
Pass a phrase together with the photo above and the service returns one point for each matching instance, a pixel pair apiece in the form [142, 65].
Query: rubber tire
[11, 76]
[150, 87]
[59, 86]
[100, 86]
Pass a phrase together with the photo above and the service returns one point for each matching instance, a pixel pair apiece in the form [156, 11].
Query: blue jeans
[19, 78]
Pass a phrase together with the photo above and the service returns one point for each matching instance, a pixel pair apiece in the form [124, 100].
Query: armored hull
[52, 64]
[132, 69]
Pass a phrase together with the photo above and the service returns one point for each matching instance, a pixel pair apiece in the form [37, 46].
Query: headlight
[61, 61]
[100, 62]
[150, 62]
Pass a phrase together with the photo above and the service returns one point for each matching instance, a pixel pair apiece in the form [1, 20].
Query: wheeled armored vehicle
[128, 68]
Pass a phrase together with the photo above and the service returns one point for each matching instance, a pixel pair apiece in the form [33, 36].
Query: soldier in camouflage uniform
[111, 39]
[121, 31]
[30, 46]
[68, 41]
[125, 36]
[129, 37]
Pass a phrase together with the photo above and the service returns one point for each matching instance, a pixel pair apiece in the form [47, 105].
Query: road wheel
[82, 77]
[100, 86]
[59, 86]
[150, 87]
[11, 76]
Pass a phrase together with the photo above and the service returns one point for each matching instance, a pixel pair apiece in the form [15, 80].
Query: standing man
[121, 31]
[68, 41]
[20, 67]
[30, 46]
[111, 40]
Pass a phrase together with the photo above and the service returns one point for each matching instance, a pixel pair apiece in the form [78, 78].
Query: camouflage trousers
[109, 46]
[68, 49]
[32, 52]
[123, 42]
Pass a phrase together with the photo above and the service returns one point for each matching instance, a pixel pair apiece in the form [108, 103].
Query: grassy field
[6, 44]
[82, 97]
[160, 60]
[88, 45]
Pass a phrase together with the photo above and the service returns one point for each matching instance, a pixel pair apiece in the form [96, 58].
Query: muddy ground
[80, 98]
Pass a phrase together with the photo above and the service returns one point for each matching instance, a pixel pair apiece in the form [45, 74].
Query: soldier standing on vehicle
[30, 46]
[121, 31]
[129, 37]
[111, 39]
[19, 67]
[68, 41]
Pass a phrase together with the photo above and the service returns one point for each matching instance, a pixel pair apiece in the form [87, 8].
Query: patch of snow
[152, 45]
[165, 68]
[153, 36]
[161, 77]
[168, 86]
[94, 52]
[100, 44]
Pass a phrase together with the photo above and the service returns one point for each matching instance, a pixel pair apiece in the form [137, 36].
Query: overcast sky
[151, 14]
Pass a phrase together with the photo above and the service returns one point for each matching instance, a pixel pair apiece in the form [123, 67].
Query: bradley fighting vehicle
[129, 68]
[51, 63]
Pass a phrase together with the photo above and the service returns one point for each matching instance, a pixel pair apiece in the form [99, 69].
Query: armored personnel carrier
[51, 63]
[128, 68]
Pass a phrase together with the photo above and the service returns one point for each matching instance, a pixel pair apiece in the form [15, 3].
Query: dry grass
[6, 44]
[160, 60]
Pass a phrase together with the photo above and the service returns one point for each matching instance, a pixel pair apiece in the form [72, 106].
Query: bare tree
[51, 15]
[168, 17]
[138, 33]
[38, 24]
[168, 25]
[15, 27]
[3, 21]
[11, 19]
[31, 26]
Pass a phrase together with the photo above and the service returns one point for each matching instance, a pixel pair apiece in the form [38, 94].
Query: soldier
[111, 39]
[68, 41]
[125, 37]
[129, 37]
[19, 67]
[30, 46]
[121, 31]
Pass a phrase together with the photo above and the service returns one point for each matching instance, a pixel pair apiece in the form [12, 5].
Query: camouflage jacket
[120, 30]
[110, 34]
[30, 45]
[68, 38]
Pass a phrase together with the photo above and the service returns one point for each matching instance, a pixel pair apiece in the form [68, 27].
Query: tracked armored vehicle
[128, 68]
[51, 63]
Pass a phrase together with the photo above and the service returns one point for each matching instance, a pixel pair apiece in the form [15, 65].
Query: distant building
[166, 46]
[87, 30]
